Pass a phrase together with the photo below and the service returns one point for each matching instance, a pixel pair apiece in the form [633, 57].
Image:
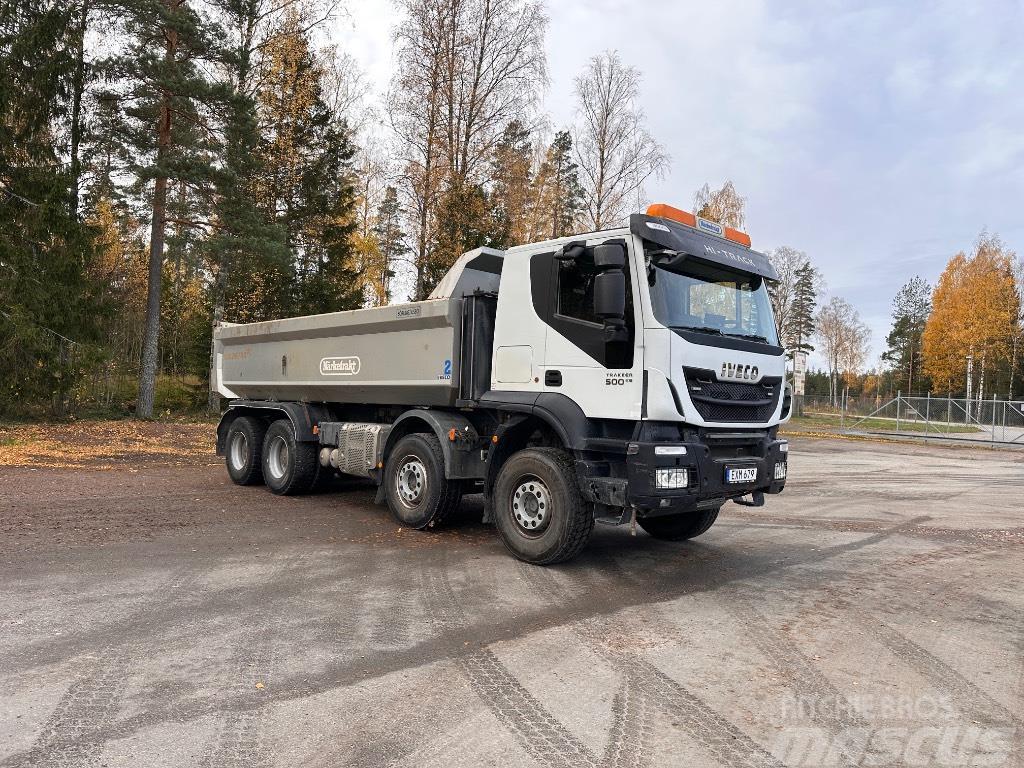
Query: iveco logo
[739, 371]
[339, 366]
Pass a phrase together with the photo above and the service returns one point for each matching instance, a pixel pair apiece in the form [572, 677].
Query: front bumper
[706, 463]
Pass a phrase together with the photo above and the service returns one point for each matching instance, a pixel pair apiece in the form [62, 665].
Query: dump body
[404, 355]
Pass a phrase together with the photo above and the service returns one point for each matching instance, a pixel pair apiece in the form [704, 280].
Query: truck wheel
[540, 514]
[289, 467]
[244, 454]
[679, 527]
[418, 493]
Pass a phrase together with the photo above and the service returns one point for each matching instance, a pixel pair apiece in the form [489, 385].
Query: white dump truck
[632, 375]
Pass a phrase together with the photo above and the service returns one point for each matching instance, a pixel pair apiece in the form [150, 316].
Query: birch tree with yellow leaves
[975, 311]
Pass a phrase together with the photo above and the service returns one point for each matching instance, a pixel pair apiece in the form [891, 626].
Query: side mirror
[610, 294]
[610, 256]
[571, 251]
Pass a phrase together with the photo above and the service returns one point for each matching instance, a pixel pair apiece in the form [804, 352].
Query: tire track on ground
[632, 709]
[974, 702]
[447, 644]
[393, 617]
[818, 698]
[631, 729]
[542, 736]
[94, 699]
[240, 739]
[714, 733]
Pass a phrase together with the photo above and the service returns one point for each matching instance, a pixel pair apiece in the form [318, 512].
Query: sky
[879, 138]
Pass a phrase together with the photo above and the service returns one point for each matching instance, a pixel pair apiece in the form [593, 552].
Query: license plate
[741, 475]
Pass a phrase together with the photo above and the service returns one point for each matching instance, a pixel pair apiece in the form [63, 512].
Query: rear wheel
[679, 527]
[539, 512]
[289, 466]
[418, 493]
[244, 454]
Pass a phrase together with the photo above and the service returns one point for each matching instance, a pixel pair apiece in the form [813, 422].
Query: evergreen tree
[391, 243]
[463, 223]
[910, 310]
[168, 97]
[309, 186]
[510, 186]
[561, 199]
[106, 154]
[246, 251]
[800, 327]
[328, 277]
[49, 307]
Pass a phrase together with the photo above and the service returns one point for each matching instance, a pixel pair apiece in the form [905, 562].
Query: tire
[244, 452]
[540, 514]
[418, 493]
[679, 527]
[289, 467]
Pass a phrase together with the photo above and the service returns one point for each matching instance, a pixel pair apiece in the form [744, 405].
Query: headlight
[670, 450]
[784, 446]
[670, 479]
[780, 470]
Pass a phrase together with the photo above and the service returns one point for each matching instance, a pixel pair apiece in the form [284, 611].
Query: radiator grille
[732, 401]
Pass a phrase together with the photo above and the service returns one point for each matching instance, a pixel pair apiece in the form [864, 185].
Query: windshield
[708, 299]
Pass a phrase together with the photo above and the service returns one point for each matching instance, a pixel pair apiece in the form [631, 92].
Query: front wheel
[418, 493]
[539, 512]
[679, 527]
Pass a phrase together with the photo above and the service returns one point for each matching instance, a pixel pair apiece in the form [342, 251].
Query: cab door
[605, 378]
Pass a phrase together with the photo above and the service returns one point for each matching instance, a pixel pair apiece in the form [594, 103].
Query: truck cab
[656, 342]
[632, 375]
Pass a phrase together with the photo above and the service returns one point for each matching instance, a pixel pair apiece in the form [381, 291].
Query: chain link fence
[993, 420]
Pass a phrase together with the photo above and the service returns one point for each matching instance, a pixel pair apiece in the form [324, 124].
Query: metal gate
[951, 418]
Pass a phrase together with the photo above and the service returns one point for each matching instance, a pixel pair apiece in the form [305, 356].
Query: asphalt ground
[873, 614]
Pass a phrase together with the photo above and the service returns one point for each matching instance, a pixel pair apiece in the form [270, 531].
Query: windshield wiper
[753, 336]
[699, 329]
[720, 332]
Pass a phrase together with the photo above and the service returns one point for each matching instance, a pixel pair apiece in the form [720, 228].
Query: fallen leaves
[108, 444]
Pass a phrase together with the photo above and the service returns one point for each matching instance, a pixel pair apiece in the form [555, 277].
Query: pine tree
[559, 195]
[463, 223]
[510, 186]
[308, 188]
[246, 248]
[49, 307]
[800, 328]
[910, 310]
[391, 243]
[328, 278]
[168, 96]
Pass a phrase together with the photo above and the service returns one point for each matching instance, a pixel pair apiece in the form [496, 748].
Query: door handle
[552, 378]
